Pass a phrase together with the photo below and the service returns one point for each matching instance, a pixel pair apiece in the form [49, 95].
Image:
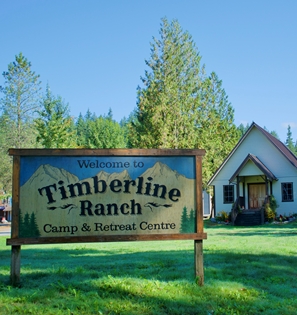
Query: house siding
[285, 208]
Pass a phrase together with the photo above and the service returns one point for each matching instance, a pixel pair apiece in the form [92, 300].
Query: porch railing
[266, 201]
[235, 210]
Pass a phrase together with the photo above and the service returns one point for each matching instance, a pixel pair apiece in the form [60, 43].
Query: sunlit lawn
[247, 271]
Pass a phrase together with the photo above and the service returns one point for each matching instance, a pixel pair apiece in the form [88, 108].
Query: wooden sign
[74, 195]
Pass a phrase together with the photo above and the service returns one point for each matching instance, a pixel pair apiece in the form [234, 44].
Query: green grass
[248, 270]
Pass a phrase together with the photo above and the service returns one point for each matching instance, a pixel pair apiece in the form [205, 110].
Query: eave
[254, 159]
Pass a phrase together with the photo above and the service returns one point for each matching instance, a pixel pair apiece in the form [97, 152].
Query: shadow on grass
[88, 263]
[118, 276]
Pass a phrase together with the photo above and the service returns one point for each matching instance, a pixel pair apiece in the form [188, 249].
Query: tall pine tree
[21, 99]
[171, 92]
[54, 125]
[179, 106]
[83, 128]
[289, 140]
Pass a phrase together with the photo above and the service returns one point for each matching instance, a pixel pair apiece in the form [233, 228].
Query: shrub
[273, 203]
[270, 209]
[222, 216]
[269, 213]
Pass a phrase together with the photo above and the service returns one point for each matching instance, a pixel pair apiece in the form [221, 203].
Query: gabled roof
[277, 143]
[258, 163]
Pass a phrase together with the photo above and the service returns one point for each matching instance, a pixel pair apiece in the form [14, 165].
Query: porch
[253, 181]
[250, 217]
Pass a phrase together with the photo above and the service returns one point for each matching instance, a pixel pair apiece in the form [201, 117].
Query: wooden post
[198, 244]
[199, 269]
[15, 268]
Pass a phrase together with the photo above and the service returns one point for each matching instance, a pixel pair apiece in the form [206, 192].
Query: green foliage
[5, 159]
[179, 106]
[222, 216]
[289, 141]
[128, 132]
[54, 125]
[273, 203]
[82, 128]
[170, 93]
[102, 132]
[19, 102]
[19, 99]
[243, 129]
[269, 213]
[217, 132]
[105, 134]
[270, 209]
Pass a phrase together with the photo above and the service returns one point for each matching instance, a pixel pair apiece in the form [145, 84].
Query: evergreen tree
[54, 125]
[20, 101]
[83, 128]
[192, 221]
[25, 227]
[289, 141]
[274, 133]
[129, 133]
[179, 106]
[184, 221]
[242, 129]
[33, 226]
[28, 225]
[105, 133]
[217, 133]
[80, 126]
[5, 159]
[171, 92]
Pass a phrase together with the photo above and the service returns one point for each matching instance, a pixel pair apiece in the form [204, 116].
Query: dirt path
[5, 228]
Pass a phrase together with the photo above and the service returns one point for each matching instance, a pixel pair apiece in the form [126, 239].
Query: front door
[257, 193]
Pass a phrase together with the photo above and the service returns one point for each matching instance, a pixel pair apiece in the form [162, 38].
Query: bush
[270, 214]
[270, 209]
[222, 216]
[273, 203]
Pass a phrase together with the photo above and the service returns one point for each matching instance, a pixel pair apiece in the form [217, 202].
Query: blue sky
[92, 52]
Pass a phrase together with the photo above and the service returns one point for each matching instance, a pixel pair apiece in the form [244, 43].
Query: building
[259, 166]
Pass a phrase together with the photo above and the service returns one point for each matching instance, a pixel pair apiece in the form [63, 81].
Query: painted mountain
[93, 205]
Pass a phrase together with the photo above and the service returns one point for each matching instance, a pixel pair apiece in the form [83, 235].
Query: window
[228, 193]
[287, 192]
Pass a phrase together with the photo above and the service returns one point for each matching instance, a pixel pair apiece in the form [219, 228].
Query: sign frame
[16, 241]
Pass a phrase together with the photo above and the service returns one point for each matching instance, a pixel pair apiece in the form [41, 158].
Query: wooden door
[257, 193]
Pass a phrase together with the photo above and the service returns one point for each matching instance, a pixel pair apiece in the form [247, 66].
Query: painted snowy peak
[47, 174]
[162, 170]
[108, 177]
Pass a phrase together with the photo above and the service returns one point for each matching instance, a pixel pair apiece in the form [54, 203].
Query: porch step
[248, 218]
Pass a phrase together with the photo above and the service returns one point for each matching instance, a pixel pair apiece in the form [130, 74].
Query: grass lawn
[248, 270]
